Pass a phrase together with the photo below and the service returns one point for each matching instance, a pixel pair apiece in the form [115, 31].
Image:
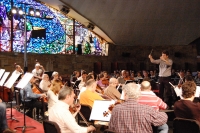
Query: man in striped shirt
[148, 97]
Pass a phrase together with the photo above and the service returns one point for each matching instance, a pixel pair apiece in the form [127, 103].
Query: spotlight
[37, 12]
[65, 9]
[20, 11]
[90, 26]
[14, 10]
[31, 11]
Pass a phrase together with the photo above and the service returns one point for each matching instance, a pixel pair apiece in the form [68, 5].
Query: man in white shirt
[60, 113]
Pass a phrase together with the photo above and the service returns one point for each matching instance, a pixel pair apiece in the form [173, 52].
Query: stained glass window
[52, 32]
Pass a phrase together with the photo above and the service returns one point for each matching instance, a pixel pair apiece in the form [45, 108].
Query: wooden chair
[51, 127]
[182, 125]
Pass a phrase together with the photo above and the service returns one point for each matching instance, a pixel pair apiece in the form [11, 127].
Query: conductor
[165, 66]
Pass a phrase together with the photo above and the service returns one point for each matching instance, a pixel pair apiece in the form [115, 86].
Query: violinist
[82, 78]
[55, 76]
[111, 90]
[60, 113]
[89, 95]
[130, 116]
[182, 78]
[31, 98]
[121, 79]
[52, 93]
[103, 83]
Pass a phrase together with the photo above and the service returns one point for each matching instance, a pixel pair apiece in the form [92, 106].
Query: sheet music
[11, 80]
[5, 76]
[24, 81]
[178, 91]
[1, 72]
[122, 96]
[99, 107]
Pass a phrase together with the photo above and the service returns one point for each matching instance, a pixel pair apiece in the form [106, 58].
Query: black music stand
[8, 85]
[11, 115]
[23, 82]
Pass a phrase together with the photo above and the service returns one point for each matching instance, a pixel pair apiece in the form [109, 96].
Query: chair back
[51, 127]
[86, 111]
[108, 131]
[182, 125]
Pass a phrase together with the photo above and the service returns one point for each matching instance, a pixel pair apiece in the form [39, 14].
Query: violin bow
[172, 85]
[151, 52]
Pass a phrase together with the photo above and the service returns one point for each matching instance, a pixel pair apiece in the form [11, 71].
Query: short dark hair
[64, 92]
[165, 52]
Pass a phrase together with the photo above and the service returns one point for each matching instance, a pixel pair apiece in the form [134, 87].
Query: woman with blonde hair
[52, 93]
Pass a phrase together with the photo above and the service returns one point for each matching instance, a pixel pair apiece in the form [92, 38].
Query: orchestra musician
[102, 82]
[37, 72]
[52, 93]
[130, 116]
[186, 108]
[121, 79]
[148, 97]
[45, 83]
[89, 95]
[111, 90]
[182, 78]
[82, 78]
[18, 70]
[31, 98]
[60, 113]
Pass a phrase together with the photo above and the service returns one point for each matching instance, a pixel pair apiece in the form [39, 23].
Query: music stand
[22, 83]
[9, 83]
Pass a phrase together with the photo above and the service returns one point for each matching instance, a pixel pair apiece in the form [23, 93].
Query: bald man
[148, 97]
[111, 90]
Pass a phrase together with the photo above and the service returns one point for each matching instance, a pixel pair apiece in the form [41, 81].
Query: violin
[74, 108]
[105, 82]
[110, 108]
[99, 89]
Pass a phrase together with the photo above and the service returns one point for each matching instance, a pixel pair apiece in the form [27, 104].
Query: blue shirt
[29, 95]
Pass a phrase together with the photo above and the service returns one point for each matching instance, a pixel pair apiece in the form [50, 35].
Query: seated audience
[60, 113]
[45, 83]
[89, 95]
[111, 90]
[52, 93]
[148, 97]
[186, 108]
[130, 116]
[3, 121]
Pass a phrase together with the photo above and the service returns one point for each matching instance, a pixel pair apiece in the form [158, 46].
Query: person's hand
[162, 58]
[78, 107]
[150, 56]
[42, 95]
[90, 128]
[0, 101]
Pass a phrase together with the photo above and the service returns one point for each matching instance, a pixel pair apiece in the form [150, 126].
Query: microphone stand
[24, 126]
